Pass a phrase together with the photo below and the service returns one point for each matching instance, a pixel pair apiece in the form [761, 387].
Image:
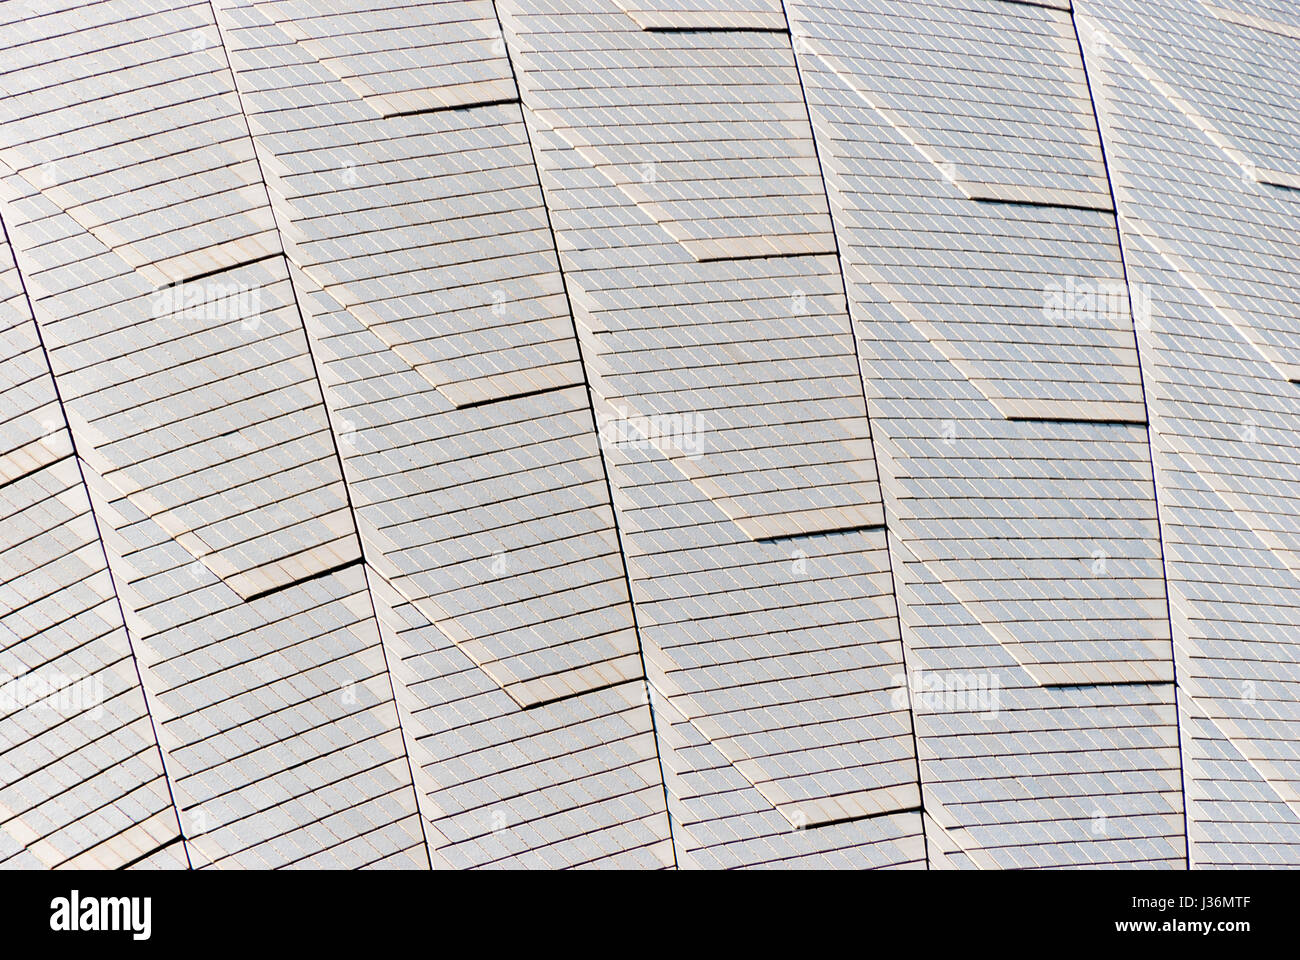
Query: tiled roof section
[756, 367]
[491, 517]
[762, 434]
[161, 381]
[1245, 101]
[1237, 818]
[1276, 11]
[126, 122]
[1282, 26]
[1012, 516]
[776, 437]
[494, 522]
[83, 783]
[735, 432]
[1226, 85]
[1027, 302]
[276, 715]
[791, 670]
[1210, 244]
[211, 470]
[199, 402]
[457, 277]
[1026, 554]
[565, 784]
[994, 95]
[721, 822]
[83, 779]
[33, 427]
[1017, 775]
[401, 56]
[706, 132]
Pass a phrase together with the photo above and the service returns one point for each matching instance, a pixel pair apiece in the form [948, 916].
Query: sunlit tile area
[649, 434]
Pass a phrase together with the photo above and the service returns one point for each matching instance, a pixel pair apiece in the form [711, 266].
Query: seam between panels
[397, 709]
[1155, 485]
[871, 436]
[103, 548]
[591, 406]
[329, 420]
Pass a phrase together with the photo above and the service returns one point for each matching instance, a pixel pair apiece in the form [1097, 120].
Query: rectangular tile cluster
[1028, 302]
[399, 56]
[706, 132]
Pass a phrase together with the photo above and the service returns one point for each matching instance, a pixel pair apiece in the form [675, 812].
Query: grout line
[1095, 684]
[776, 30]
[1096, 421]
[834, 531]
[1048, 204]
[149, 853]
[581, 693]
[744, 257]
[35, 470]
[397, 710]
[875, 816]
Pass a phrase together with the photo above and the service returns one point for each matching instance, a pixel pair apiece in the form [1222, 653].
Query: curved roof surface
[650, 433]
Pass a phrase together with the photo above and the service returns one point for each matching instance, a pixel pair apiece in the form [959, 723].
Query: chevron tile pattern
[649, 434]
